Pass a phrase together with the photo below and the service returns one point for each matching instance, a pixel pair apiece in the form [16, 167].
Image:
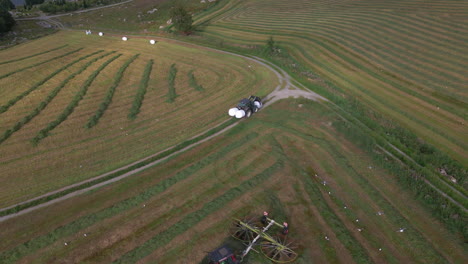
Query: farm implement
[254, 233]
[246, 107]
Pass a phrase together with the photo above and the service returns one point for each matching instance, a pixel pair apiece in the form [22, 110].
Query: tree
[6, 5]
[181, 19]
[270, 47]
[6, 21]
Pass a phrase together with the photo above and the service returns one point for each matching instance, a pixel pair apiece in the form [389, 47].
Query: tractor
[253, 234]
[222, 255]
[246, 107]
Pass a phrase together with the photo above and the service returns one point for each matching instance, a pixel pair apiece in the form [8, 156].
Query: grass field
[404, 59]
[46, 108]
[289, 160]
[358, 176]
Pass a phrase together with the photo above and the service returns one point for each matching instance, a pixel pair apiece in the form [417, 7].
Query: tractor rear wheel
[248, 113]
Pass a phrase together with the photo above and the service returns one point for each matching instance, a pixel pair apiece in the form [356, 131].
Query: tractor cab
[222, 255]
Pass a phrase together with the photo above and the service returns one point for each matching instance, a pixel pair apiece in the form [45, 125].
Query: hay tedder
[253, 233]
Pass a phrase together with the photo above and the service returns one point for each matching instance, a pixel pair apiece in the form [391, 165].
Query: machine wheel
[279, 250]
[248, 113]
[240, 229]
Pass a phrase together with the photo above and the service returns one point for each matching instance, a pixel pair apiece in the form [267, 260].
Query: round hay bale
[240, 114]
[152, 42]
[124, 38]
[232, 111]
[101, 34]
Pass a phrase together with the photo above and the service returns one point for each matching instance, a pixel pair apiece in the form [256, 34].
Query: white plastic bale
[124, 38]
[257, 104]
[101, 34]
[152, 42]
[232, 111]
[240, 114]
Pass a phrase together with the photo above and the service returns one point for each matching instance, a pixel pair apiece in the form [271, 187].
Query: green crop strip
[110, 93]
[69, 109]
[141, 91]
[193, 82]
[171, 94]
[85, 221]
[193, 218]
[34, 55]
[50, 97]
[39, 63]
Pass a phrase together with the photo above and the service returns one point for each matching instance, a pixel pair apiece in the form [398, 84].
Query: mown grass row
[171, 94]
[193, 82]
[358, 253]
[43, 133]
[42, 241]
[428, 158]
[110, 94]
[411, 177]
[50, 97]
[34, 55]
[13, 101]
[391, 212]
[135, 110]
[39, 63]
[193, 218]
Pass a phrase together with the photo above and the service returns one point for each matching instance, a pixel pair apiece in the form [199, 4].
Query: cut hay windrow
[193, 82]
[51, 96]
[39, 63]
[69, 109]
[193, 218]
[13, 101]
[138, 101]
[39, 242]
[110, 93]
[392, 214]
[34, 55]
[171, 94]
[359, 254]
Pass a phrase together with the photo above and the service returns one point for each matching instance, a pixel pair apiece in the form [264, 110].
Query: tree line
[6, 20]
